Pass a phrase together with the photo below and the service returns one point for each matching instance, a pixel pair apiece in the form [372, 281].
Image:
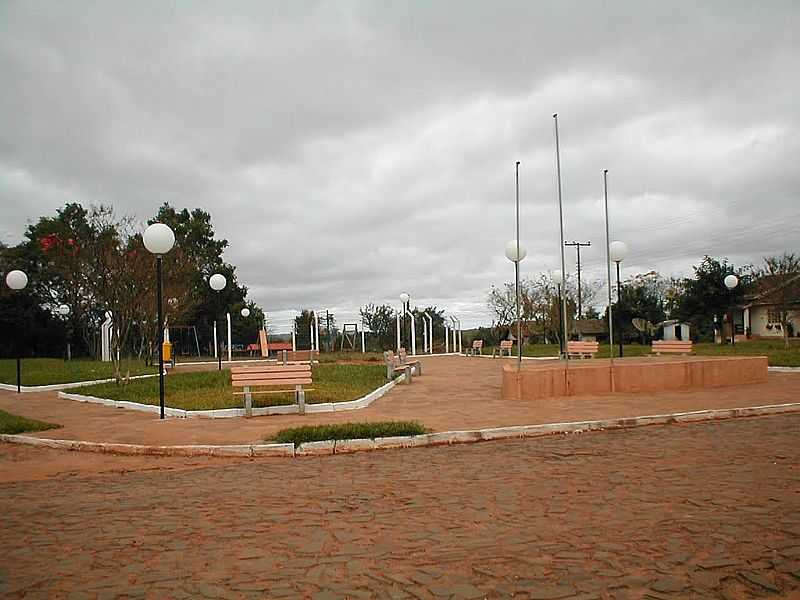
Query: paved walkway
[707, 510]
[454, 393]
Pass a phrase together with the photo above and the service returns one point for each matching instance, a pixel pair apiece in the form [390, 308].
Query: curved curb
[330, 447]
[52, 387]
[226, 413]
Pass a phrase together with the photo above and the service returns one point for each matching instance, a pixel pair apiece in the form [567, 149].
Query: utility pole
[578, 246]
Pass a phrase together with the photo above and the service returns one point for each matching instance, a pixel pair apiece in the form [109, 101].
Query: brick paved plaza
[709, 510]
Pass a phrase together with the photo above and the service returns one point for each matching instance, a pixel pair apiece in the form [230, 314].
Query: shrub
[347, 431]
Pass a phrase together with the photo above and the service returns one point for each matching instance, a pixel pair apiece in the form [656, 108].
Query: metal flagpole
[561, 225]
[608, 269]
[516, 288]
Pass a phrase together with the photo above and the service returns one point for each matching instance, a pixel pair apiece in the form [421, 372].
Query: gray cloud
[351, 150]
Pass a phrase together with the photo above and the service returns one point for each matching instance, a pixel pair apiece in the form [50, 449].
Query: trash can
[167, 350]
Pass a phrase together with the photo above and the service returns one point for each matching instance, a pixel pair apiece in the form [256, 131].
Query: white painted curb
[330, 447]
[783, 369]
[63, 386]
[225, 413]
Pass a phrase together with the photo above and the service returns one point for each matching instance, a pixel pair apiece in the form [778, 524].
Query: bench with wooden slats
[293, 376]
[505, 346]
[672, 347]
[581, 349]
[477, 347]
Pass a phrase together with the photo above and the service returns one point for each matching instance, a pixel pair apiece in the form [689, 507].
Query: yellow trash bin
[167, 349]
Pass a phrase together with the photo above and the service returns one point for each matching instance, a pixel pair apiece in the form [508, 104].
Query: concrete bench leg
[301, 399]
[407, 374]
[248, 402]
[418, 367]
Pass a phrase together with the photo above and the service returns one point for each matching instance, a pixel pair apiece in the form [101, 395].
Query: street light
[218, 283]
[731, 281]
[63, 311]
[245, 312]
[159, 239]
[517, 253]
[406, 300]
[617, 251]
[17, 280]
[558, 279]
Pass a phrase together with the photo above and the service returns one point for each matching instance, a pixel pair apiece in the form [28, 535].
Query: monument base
[629, 375]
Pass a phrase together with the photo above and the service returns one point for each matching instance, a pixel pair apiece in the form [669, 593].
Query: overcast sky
[352, 150]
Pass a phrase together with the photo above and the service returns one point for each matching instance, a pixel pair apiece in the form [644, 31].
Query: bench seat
[295, 376]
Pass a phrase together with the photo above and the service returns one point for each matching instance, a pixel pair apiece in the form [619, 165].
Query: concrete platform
[629, 375]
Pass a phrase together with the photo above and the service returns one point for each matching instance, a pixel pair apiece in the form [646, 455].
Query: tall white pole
[413, 333]
[446, 338]
[216, 345]
[363, 347]
[516, 280]
[294, 340]
[608, 267]
[561, 228]
[316, 331]
[430, 332]
[459, 334]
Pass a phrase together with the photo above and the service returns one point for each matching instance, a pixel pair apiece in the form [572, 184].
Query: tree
[381, 320]
[779, 279]
[705, 296]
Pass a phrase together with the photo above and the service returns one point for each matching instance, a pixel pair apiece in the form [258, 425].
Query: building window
[773, 316]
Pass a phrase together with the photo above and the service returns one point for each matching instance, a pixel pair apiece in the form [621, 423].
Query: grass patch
[347, 431]
[13, 424]
[772, 349]
[47, 371]
[207, 390]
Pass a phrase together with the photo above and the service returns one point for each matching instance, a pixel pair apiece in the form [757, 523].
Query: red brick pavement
[454, 393]
[706, 510]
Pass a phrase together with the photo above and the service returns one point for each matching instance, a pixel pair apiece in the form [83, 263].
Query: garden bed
[53, 371]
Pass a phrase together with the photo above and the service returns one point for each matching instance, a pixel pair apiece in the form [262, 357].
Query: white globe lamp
[731, 281]
[158, 238]
[617, 251]
[404, 298]
[16, 279]
[245, 312]
[217, 282]
[63, 310]
[511, 251]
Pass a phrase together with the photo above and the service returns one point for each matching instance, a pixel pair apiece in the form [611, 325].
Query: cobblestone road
[708, 511]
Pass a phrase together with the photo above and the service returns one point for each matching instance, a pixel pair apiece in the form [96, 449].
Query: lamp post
[558, 279]
[17, 280]
[63, 311]
[245, 312]
[159, 239]
[218, 282]
[731, 281]
[617, 252]
[405, 299]
[516, 253]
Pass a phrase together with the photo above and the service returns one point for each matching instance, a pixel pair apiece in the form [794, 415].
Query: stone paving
[454, 393]
[707, 510]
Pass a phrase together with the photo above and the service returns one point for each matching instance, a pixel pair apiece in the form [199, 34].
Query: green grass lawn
[346, 431]
[773, 349]
[46, 371]
[212, 389]
[13, 424]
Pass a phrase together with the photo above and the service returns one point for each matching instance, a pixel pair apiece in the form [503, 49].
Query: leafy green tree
[779, 280]
[704, 296]
[380, 319]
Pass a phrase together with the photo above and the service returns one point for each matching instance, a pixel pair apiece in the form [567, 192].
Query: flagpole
[608, 268]
[561, 226]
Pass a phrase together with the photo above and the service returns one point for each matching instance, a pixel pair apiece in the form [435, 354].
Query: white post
[398, 333]
[413, 333]
[459, 334]
[216, 345]
[105, 339]
[424, 335]
[446, 338]
[363, 346]
[430, 332]
[294, 340]
[230, 349]
[311, 333]
[316, 331]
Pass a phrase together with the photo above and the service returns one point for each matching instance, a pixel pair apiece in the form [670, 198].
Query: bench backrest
[297, 355]
[506, 344]
[295, 374]
[477, 344]
[579, 346]
[389, 357]
[672, 345]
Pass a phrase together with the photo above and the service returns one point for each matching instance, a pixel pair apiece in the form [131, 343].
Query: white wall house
[761, 313]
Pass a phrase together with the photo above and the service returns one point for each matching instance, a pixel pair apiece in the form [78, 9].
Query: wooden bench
[477, 348]
[672, 347]
[394, 365]
[505, 346]
[582, 349]
[294, 375]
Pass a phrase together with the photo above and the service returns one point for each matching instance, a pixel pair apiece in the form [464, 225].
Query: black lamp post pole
[160, 336]
[619, 300]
